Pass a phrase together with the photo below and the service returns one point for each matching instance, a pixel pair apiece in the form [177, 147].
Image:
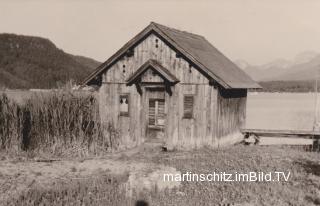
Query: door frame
[158, 131]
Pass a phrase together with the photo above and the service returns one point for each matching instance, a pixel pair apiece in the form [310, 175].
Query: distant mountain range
[34, 62]
[303, 67]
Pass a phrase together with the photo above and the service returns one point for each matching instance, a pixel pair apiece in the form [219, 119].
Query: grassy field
[137, 176]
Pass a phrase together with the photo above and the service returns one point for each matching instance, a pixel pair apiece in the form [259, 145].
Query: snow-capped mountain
[303, 66]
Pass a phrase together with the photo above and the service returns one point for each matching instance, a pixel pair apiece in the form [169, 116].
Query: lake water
[292, 111]
[280, 111]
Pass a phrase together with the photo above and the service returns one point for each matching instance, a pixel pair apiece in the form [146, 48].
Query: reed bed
[11, 115]
[62, 123]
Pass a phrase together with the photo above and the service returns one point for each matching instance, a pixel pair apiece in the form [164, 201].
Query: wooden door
[156, 114]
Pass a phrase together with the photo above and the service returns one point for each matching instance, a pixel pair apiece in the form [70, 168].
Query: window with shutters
[124, 104]
[188, 106]
[157, 112]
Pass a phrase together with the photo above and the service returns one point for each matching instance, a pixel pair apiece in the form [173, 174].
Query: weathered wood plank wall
[205, 128]
[164, 54]
[231, 114]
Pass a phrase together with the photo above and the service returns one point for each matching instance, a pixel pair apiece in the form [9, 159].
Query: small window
[124, 105]
[188, 106]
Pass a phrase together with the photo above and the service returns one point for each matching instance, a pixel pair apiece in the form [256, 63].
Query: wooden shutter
[152, 112]
[160, 112]
[188, 106]
[157, 112]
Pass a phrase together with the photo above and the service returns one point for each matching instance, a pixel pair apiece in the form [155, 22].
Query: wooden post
[316, 144]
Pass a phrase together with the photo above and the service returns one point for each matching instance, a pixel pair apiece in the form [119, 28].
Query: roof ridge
[216, 77]
[176, 30]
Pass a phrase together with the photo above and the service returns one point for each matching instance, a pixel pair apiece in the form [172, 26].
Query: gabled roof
[156, 66]
[196, 49]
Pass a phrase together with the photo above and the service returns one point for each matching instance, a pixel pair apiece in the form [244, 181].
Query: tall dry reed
[58, 122]
[11, 123]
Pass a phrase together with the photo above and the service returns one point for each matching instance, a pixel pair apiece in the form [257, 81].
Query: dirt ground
[145, 167]
[17, 176]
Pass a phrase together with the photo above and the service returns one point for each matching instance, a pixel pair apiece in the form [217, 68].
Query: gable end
[181, 45]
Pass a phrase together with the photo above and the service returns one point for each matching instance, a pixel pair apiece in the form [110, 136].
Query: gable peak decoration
[164, 73]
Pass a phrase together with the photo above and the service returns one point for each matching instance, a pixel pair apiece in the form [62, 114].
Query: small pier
[257, 133]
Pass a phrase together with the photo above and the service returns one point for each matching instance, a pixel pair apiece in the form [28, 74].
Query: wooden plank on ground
[283, 133]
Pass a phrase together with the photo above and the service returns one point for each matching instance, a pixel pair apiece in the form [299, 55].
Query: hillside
[288, 86]
[34, 62]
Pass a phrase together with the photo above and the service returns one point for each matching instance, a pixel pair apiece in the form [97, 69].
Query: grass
[303, 187]
[101, 190]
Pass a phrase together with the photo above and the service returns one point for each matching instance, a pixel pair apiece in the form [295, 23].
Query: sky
[257, 31]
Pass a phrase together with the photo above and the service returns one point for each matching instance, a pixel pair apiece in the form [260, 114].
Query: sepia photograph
[159, 102]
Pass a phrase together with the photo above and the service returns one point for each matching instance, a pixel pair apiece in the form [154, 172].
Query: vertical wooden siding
[164, 54]
[201, 130]
[231, 112]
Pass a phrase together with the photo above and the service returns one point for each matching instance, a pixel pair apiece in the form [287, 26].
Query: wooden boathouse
[173, 87]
